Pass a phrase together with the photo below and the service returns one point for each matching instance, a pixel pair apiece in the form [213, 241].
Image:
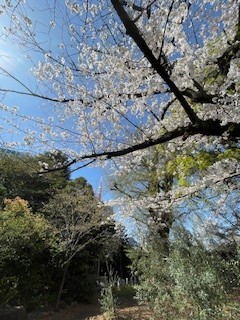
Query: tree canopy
[128, 76]
[49, 225]
[20, 176]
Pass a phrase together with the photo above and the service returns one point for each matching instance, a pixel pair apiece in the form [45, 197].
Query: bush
[108, 299]
[186, 284]
[8, 289]
[26, 244]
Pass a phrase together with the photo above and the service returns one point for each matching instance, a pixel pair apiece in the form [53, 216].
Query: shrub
[108, 300]
[186, 284]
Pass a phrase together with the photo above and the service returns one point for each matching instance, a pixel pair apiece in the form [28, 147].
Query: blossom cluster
[107, 96]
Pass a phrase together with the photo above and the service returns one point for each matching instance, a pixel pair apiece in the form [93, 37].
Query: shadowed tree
[20, 177]
[78, 219]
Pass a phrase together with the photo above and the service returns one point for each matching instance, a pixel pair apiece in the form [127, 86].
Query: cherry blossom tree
[124, 76]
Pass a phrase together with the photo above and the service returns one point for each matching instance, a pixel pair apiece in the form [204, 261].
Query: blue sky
[16, 63]
[33, 107]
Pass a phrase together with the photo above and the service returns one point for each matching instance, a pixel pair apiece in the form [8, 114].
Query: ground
[92, 312]
[127, 309]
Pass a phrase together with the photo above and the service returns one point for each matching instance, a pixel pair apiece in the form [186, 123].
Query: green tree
[189, 284]
[160, 274]
[27, 244]
[147, 180]
[79, 220]
[19, 176]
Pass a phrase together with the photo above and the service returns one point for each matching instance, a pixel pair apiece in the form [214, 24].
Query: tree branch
[199, 96]
[36, 95]
[133, 32]
[207, 128]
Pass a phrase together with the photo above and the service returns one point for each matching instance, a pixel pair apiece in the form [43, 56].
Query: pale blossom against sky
[16, 62]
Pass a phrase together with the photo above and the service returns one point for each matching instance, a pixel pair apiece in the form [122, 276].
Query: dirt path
[73, 312]
[93, 312]
[81, 312]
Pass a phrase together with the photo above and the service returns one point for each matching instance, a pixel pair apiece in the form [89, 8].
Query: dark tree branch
[207, 128]
[165, 109]
[138, 8]
[200, 96]
[133, 32]
[117, 188]
[36, 95]
[165, 28]
[224, 61]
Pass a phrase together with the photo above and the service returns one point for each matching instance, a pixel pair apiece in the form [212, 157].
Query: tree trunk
[65, 270]
[161, 227]
[162, 222]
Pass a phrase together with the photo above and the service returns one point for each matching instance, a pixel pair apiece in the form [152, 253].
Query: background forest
[58, 241]
[55, 235]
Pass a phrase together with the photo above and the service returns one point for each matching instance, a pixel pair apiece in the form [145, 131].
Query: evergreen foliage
[190, 283]
[19, 176]
[27, 247]
[66, 224]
